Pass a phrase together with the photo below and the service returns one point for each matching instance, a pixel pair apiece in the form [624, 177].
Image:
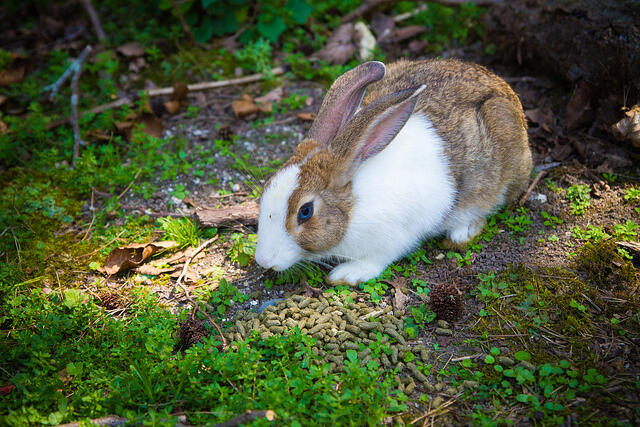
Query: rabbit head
[306, 207]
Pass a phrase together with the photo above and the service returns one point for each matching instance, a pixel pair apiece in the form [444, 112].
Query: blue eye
[305, 212]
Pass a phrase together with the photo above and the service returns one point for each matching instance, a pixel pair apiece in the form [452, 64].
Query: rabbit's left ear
[372, 128]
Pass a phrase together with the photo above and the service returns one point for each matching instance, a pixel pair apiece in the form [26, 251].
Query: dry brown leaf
[3, 99]
[131, 49]
[274, 95]
[382, 25]
[180, 256]
[309, 117]
[98, 135]
[151, 270]
[132, 255]
[579, 111]
[340, 46]
[404, 33]
[244, 106]
[541, 117]
[189, 276]
[628, 129]
[3, 128]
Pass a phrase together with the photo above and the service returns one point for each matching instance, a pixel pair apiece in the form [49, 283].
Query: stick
[197, 305]
[186, 263]
[53, 88]
[535, 182]
[169, 90]
[94, 20]
[185, 27]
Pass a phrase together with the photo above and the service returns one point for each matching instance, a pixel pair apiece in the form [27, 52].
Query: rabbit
[432, 149]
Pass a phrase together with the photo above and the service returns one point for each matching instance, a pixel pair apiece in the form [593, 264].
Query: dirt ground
[579, 158]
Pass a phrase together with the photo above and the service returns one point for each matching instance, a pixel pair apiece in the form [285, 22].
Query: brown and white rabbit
[433, 148]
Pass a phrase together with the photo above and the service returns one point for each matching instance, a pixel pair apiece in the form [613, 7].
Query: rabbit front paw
[354, 272]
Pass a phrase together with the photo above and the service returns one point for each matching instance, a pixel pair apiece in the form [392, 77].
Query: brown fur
[475, 112]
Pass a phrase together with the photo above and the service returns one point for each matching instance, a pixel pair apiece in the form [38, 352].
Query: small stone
[440, 256]
[443, 331]
[437, 402]
[443, 324]
[528, 365]
[506, 361]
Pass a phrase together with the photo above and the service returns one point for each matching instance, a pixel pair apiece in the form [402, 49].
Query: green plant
[420, 317]
[627, 231]
[552, 186]
[632, 195]
[550, 220]
[592, 233]
[489, 288]
[243, 247]
[182, 230]
[299, 272]
[517, 224]
[462, 259]
[225, 295]
[610, 177]
[580, 198]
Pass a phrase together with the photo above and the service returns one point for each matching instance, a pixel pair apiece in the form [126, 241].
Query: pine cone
[446, 301]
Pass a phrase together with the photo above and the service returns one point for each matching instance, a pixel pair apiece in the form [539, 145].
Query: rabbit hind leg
[462, 230]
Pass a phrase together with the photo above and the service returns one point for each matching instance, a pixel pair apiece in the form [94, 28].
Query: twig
[527, 193]
[197, 306]
[74, 103]
[169, 90]
[103, 246]
[186, 263]
[54, 87]
[130, 184]
[547, 166]
[94, 20]
[185, 27]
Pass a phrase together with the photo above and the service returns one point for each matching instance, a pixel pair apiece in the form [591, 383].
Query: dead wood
[370, 5]
[246, 214]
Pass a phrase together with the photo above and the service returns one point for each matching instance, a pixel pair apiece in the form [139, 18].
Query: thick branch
[246, 214]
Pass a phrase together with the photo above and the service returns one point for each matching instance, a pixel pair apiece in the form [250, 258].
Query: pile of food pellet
[339, 326]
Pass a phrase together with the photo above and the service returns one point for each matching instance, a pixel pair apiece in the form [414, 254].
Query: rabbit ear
[372, 129]
[343, 99]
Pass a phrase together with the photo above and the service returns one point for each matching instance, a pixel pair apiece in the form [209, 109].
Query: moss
[604, 268]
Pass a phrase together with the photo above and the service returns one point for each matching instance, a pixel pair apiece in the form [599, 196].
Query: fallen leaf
[151, 270]
[132, 255]
[274, 95]
[3, 99]
[244, 106]
[340, 46]
[404, 33]
[131, 49]
[3, 128]
[382, 25]
[400, 300]
[98, 135]
[628, 129]
[189, 276]
[309, 117]
[579, 112]
[540, 117]
[561, 152]
[6, 389]
[180, 256]
[65, 376]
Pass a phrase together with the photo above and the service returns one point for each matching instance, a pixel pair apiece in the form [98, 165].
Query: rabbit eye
[305, 212]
